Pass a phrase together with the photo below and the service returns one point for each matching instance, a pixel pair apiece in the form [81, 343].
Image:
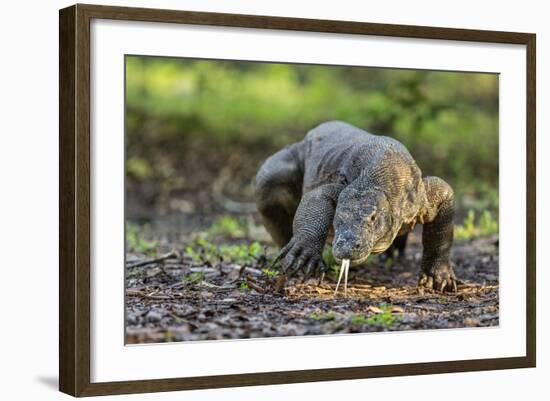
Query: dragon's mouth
[356, 261]
[344, 271]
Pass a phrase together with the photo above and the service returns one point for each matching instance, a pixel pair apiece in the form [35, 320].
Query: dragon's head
[363, 224]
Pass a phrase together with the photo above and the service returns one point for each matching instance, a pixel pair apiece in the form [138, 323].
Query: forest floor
[176, 297]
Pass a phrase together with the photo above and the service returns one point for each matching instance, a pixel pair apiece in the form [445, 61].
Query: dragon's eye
[372, 217]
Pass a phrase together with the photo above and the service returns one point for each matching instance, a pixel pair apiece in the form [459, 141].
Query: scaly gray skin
[364, 191]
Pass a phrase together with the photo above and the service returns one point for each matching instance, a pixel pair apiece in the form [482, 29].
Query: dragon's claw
[298, 255]
[441, 278]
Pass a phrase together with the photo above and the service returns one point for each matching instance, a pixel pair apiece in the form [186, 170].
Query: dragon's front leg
[437, 237]
[310, 229]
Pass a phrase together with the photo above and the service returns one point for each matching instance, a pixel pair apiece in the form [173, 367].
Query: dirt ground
[180, 299]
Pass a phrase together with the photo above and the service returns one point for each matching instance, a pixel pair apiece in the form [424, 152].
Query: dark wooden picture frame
[74, 204]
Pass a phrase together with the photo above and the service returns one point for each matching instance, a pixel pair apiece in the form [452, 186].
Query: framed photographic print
[250, 200]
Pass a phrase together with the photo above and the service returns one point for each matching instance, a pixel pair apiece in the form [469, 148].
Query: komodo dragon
[364, 191]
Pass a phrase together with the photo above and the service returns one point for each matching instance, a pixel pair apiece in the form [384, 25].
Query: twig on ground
[205, 270]
[252, 283]
[153, 295]
[170, 255]
[218, 287]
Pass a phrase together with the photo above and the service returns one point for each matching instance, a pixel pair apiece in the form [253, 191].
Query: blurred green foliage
[203, 250]
[137, 243]
[229, 227]
[475, 226]
[195, 277]
[187, 117]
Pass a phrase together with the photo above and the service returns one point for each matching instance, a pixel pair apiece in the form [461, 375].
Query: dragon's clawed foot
[301, 255]
[440, 278]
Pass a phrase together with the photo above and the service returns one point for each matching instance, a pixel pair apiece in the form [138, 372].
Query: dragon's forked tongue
[344, 269]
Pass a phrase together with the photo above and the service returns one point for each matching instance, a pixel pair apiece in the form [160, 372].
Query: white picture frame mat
[113, 361]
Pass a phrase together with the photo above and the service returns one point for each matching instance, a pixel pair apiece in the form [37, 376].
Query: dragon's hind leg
[278, 193]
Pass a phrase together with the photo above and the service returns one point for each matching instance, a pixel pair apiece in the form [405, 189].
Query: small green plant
[327, 256]
[194, 255]
[227, 226]
[333, 265]
[255, 249]
[244, 287]
[359, 320]
[323, 316]
[334, 270]
[195, 277]
[486, 225]
[385, 319]
[136, 243]
[269, 272]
